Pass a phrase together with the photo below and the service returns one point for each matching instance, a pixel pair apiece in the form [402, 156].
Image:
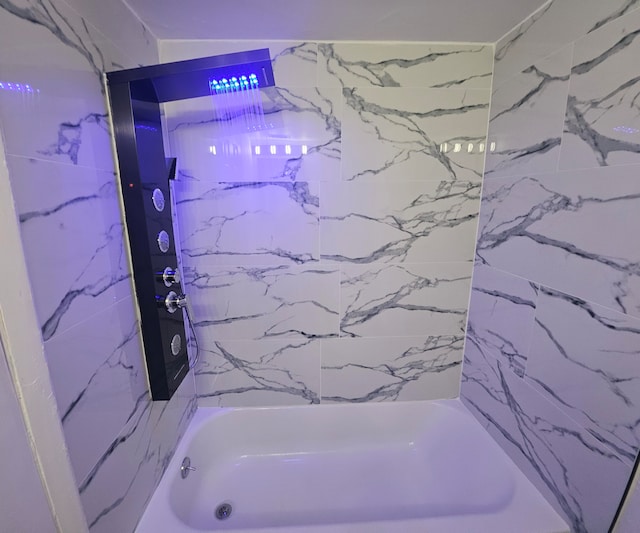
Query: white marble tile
[244, 373]
[263, 303]
[501, 314]
[119, 486]
[263, 223]
[365, 222]
[602, 125]
[558, 23]
[293, 62]
[586, 360]
[537, 98]
[393, 368]
[76, 269]
[98, 377]
[118, 23]
[397, 133]
[58, 111]
[295, 134]
[439, 66]
[566, 230]
[581, 477]
[404, 300]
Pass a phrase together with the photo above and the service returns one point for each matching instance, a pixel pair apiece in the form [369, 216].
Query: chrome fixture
[186, 468]
[170, 276]
[174, 301]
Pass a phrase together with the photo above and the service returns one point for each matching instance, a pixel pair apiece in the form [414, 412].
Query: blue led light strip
[233, 84]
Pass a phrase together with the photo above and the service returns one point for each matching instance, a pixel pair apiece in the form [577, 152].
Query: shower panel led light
[135, 96]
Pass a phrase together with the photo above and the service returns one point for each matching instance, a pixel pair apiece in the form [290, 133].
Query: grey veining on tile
[556, 24]
[501, 314]
[293, 62]
[404, 299]
[380, 222]
[627, 6]
[299, 248]
[244, 373]
[130, 34]
[70, 136]
[602, 125]
[397, 133]
[251, 223]
[117, 489]
[563, 230]
[98, 382]
[263, 303]
[554, 376]
[59, 21]
[526, 118]
[586, 359]
[115, 360]
[518, 34]
[58, 144]
[288, 61]
[561, 458]
[298, 138]
[395, 368]
[63, 89]
[87, 261]
[404, 65]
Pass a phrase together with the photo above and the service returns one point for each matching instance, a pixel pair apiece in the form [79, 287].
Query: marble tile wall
[328, 246]
[55, 126]
[552, 358]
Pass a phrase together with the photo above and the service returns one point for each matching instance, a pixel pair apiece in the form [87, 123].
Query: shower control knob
[170, 276]
[172, 301]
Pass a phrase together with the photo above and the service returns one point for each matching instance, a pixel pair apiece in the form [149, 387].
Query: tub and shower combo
[384, 467]
[411, 467]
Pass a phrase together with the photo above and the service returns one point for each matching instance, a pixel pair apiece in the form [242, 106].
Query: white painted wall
[629, 520]
[23, 503]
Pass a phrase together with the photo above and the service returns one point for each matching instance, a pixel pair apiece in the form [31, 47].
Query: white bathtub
[385, 467]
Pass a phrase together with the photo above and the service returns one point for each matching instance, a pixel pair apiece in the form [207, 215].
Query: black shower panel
[135, 96]
[144, 176]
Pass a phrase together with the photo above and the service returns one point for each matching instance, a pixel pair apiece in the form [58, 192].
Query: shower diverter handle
[172, 302]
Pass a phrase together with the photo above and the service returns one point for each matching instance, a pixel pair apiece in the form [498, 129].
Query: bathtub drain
[223, 511]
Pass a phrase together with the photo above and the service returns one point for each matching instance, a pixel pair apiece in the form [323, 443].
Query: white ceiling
[334, 20]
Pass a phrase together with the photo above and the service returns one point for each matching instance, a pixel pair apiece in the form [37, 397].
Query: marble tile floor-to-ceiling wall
[328, 246]
[352, 242]
[55, 126]
[552, 364]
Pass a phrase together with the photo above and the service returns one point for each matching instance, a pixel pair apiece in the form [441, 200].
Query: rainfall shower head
[198, 77]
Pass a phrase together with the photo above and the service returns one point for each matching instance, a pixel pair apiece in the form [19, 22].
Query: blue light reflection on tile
[18, 87]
